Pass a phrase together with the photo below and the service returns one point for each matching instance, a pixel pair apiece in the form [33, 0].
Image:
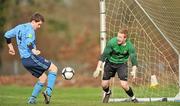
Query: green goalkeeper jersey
[117, 53]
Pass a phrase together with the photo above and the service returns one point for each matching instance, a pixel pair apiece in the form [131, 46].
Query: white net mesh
[149, 33]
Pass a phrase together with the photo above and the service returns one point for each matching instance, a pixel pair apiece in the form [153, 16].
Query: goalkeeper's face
[121, 38]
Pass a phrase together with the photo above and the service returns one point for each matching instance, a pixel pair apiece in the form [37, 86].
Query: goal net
[154, 28]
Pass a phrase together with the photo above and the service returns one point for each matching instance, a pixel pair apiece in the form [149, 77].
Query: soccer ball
[68, 73]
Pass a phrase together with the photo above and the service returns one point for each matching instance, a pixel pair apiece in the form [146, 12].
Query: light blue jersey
[25, 35]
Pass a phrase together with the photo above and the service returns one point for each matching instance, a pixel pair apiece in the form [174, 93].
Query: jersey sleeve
[107, 51]
[133, 55]
[11, 33]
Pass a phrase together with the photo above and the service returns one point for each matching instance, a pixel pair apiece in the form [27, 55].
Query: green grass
[85, 96]
[146, 91]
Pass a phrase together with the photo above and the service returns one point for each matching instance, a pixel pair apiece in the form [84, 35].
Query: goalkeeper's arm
[102, 59]
[134, 62]
[100, 65]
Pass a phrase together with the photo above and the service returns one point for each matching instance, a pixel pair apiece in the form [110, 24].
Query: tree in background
[2, 23]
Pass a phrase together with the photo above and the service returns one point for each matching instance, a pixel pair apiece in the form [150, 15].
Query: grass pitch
[83, 96]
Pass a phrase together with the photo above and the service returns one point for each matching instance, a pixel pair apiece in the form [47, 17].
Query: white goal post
[154, 29]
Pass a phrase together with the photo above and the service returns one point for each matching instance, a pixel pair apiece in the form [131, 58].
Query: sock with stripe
[37, 89]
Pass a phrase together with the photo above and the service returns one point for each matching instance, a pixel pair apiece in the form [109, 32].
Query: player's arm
[10, 46]
[103, 57]
[133, 57]
[8, 35]
[33, 49]
[11, 49]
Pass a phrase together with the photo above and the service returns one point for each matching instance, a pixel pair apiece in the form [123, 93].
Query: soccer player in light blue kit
[30, 56]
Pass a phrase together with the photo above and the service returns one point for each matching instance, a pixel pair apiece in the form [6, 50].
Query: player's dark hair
[37, 17]
[124, 31]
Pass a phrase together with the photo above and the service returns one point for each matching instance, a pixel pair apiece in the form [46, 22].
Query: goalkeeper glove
[133, 72]
[98, 70]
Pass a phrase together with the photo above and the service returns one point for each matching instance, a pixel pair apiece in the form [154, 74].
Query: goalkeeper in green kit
[115, 56]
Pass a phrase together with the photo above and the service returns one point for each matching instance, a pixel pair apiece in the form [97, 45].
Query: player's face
[121, 38]
[37, 25]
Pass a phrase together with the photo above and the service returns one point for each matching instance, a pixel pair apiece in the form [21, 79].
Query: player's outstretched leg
[37, 89]
[50, 83]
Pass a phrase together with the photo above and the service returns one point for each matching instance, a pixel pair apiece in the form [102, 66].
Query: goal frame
[103, 44]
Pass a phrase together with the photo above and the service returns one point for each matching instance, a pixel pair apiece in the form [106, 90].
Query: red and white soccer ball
[68, 73]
